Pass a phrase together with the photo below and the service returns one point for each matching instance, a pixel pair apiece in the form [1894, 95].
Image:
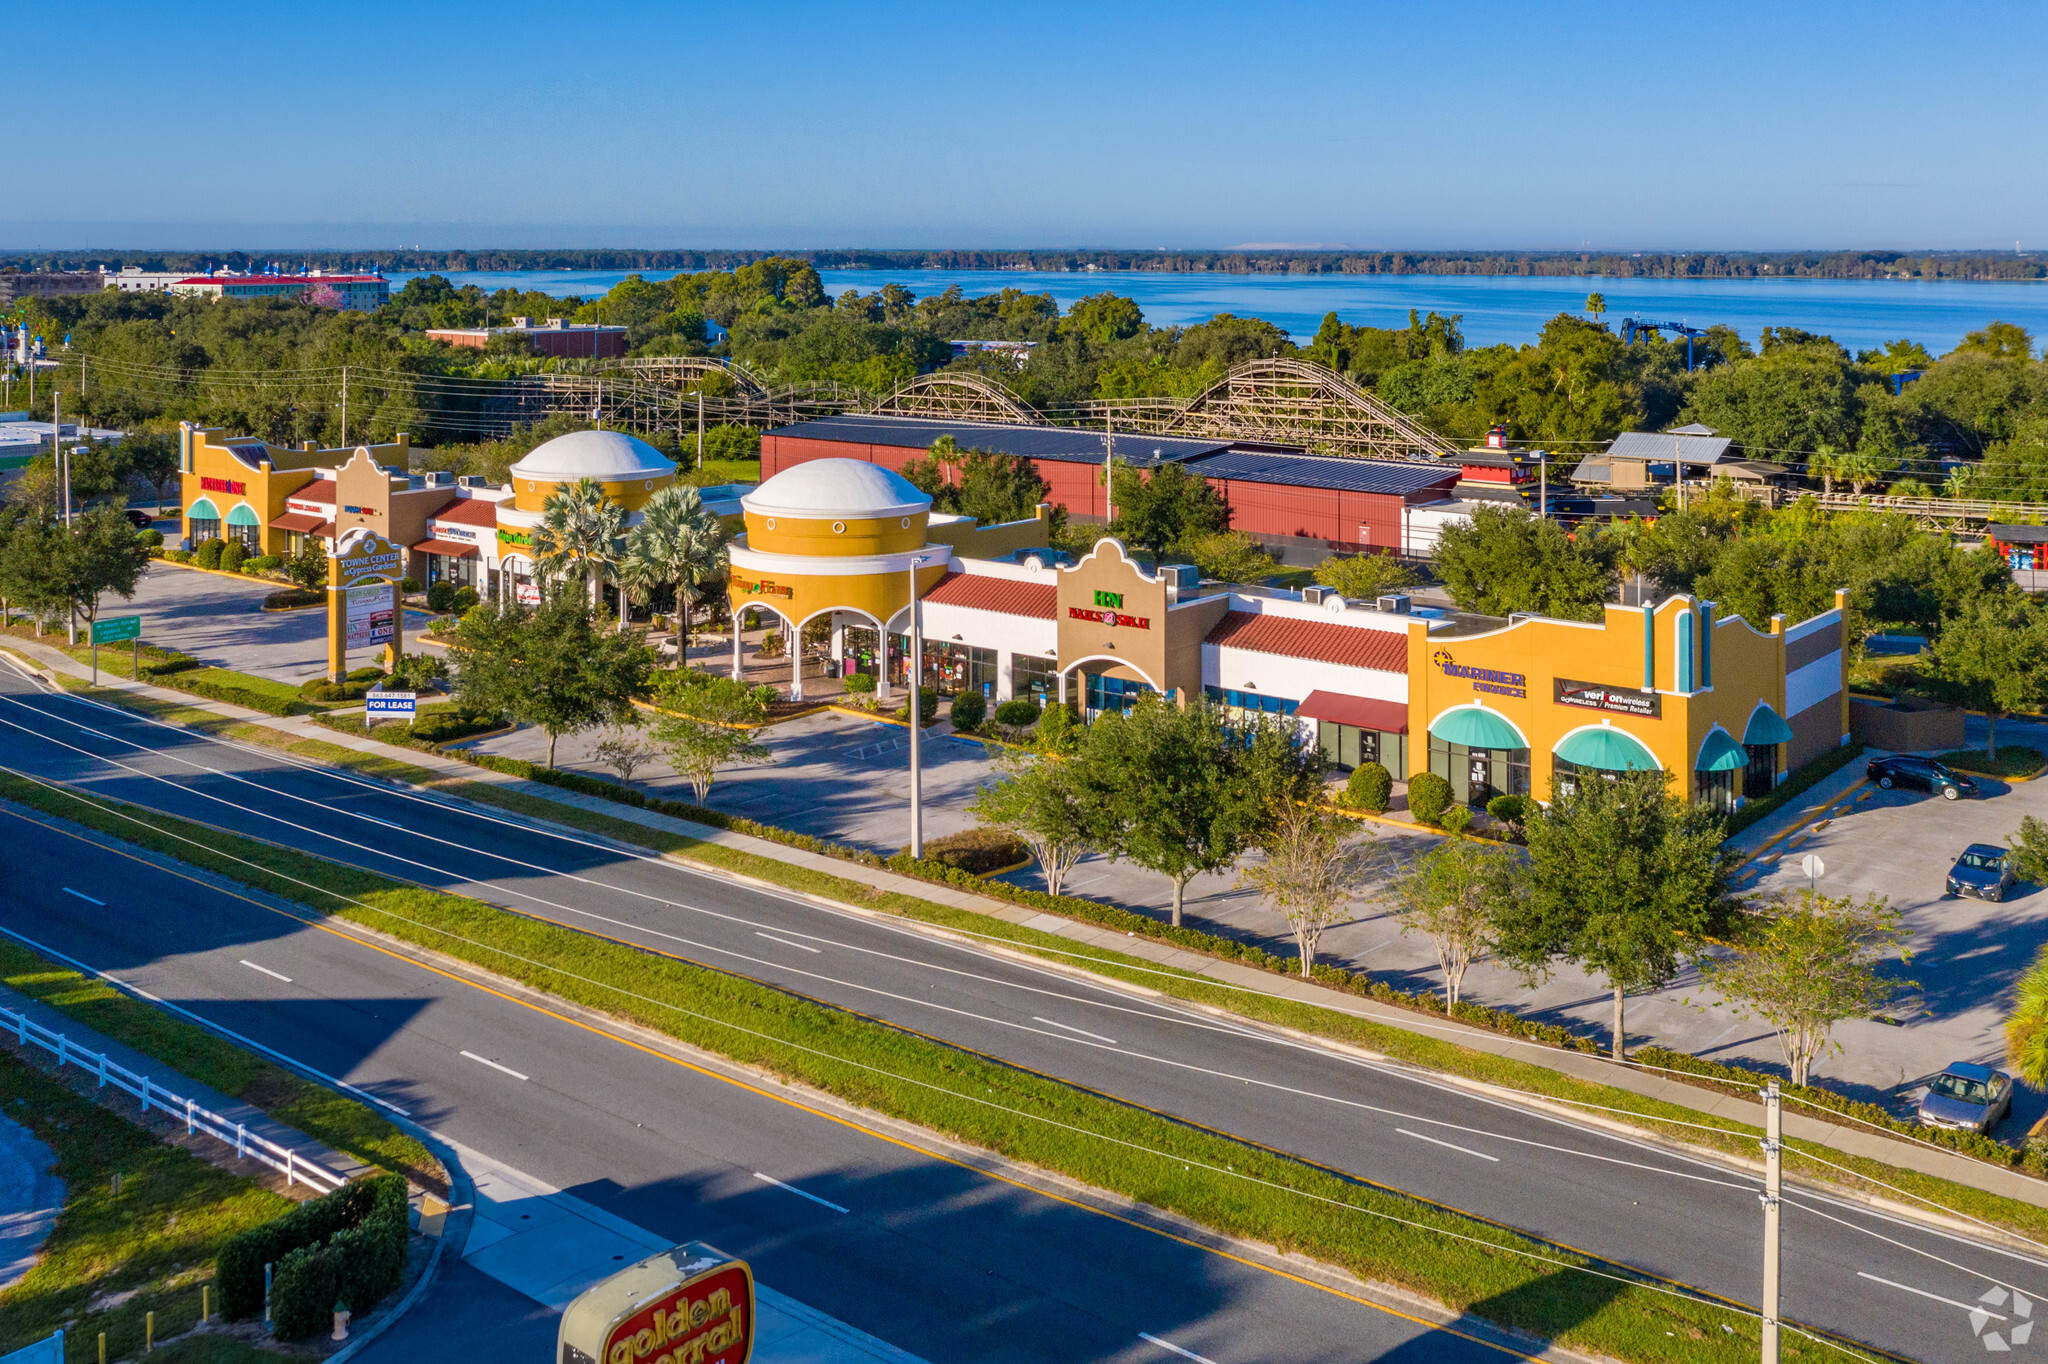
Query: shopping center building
[1495, 706]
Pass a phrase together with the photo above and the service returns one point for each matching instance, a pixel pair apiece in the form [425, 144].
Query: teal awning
[1475, 728]
[204, 510]
[1611, 749]
[1720, 753]
[243, 515]
[1765, 727]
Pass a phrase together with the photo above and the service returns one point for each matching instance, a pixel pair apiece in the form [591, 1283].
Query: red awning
[453, 549]
[1390, 717]
[305, 523]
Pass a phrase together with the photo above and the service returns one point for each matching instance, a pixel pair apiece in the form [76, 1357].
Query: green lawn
[157, 1237]
[1207, 1176]
[326, 1114]
[718, 471]
[219, 684]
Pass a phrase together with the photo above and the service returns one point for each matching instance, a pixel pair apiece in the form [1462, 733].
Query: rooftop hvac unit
[1394, 605]
[1314, 595]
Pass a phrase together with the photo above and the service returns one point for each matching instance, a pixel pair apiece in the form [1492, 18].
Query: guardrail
[250, 1145]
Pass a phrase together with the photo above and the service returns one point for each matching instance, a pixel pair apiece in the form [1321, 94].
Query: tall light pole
[916, 712]
[1774, 1132]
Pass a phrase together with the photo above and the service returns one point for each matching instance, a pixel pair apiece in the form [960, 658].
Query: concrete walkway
[1867, 1142]
[30, 1199]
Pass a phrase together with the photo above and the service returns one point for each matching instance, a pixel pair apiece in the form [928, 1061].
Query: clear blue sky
[879, 124]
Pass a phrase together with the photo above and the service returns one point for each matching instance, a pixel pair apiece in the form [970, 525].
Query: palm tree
[579, 532]
[2026, 1029]
[678, 543]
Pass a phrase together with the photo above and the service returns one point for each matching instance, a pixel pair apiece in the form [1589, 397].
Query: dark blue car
[1984, 871]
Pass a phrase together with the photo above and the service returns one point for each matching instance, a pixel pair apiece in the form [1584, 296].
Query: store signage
[1482, 679]
[1110, 617]
[1599, 696]
[368, 557]
[360, 511]
[391, 703]
[764, 588]
[691, 1305]
[223, 485]
[452, 532]
[370, 618]
[1113, 600]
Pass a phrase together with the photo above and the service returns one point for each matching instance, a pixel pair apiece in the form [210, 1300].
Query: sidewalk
[1868, 1143]
[30, 1199]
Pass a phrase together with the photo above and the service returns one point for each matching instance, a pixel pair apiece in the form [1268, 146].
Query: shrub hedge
[232, 557]
[1428, 797]
[292, 596]
[859, 684]
[347, 1247]
[970, 708]
[208, 554]
[1019, 712]
[1826, 765]
[1371, 787]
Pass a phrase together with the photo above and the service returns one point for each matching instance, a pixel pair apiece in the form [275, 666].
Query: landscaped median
[181, 672]
[1234, 1187]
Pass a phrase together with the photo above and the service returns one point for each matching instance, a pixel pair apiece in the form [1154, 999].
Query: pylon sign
[689, 1305]
[365, 604]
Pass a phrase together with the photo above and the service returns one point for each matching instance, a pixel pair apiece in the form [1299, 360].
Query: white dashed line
[266, 971]
[486, 1061]
[791, 1188]
[83, 896]
[1055, 1023]
[782, 942]
[1169, 1345]
[1433, 1141]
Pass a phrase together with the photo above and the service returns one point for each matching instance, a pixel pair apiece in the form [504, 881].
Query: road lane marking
[1434, 1141]
[1921, 1292]
[201, 1019]
[758, 1090]
[265, 970]
[821, 1202]
[1169, 1345]
[83, 896]
[783, 943]
[1055, 1023]
[487, 1061]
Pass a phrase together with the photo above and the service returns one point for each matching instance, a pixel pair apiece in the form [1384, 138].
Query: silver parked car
[1966, 1095]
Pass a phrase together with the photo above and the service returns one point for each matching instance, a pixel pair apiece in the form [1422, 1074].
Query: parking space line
[791, 1188]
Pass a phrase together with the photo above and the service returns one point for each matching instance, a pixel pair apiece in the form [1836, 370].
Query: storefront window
[1477, 775]
[1033, 677]
[204, 530]
[1249, 702]
[862, 646]
[1716, 789]
[1761, 776]
[249, 537]
[1100, 693]
[1348, 747]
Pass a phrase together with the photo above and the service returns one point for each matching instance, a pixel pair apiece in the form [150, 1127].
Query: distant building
[16, 285]
[556, 337]
[134, 280]
[359, 293]
[1019, 351]
[1643, 459]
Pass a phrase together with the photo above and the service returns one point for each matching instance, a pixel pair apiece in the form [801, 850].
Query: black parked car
[141, 520]
[1924, 773]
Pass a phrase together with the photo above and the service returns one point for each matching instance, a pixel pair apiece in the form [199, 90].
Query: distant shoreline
[2001, 267]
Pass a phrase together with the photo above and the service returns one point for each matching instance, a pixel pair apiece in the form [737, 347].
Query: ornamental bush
[153, 538]
[232, 557]
[860, 684]
[927, 707]
[1371, 788]
[465, 597]
[1512, 810]
[263, 563]
[1428, 797]
[970, 708]
[441, 597]
[208, 554]
[1018, 712]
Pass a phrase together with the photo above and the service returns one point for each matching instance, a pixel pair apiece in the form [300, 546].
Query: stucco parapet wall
[829, 566]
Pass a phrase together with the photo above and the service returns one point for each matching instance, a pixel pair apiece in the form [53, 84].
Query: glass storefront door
[1477, 775]
[1761, 776]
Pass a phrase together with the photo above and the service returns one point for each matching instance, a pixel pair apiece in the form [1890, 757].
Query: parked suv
[1984, 870]
[1966, 1095]
[1925, 773]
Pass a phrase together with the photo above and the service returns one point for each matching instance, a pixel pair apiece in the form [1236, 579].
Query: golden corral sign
[690, 1305]
[362, 554]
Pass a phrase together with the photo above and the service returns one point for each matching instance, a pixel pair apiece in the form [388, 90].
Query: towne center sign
[365, 608]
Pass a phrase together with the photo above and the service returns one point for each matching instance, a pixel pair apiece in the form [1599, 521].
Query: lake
[1858, 313]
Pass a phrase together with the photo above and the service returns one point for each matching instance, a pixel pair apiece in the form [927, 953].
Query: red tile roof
[469, 511]
[1007, 595]
[319, 490]
[1351, 645]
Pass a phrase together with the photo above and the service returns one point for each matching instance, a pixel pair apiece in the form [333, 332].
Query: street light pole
[1774, 1131]
[916, 713]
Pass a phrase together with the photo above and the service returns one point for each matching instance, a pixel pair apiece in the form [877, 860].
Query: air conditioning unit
[1395, 605]
[1314, 595]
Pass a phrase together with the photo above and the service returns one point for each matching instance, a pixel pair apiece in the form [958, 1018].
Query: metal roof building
[1676, 447]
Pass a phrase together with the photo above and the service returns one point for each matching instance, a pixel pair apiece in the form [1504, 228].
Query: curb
[455, 1231]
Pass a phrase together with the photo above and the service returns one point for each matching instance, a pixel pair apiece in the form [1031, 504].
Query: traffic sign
[1813, 867]
[116, 629]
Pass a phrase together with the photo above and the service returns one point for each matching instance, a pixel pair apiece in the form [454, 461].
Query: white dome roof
[607, 456]
[825, 488]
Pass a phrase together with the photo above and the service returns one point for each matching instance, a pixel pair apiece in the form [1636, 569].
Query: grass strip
[157, 1238]
[2011, 760]
[320, 1112]
[1233, 1186]
[1844, 1169]
[179, 672]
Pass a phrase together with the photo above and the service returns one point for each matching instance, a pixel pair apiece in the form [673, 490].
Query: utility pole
[1108, 471]
[344, 405]
[1543, 483]
[916, 713]
[1774, 1131]
[57, 448]
[700, 428]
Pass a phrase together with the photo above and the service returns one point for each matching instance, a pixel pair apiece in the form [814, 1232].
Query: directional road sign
[116, 629]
